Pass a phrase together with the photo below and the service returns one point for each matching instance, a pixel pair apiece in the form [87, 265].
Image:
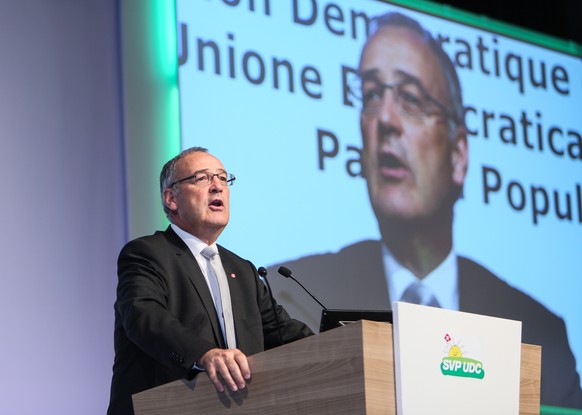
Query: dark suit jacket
[165, 317]
[354, 278]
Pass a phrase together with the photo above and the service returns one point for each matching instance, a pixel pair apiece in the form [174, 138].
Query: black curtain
[559, 18]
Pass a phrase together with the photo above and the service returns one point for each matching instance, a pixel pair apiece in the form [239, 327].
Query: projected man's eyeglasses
[411, 97]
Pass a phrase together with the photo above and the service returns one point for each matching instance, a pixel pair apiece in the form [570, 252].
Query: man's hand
[230, 364]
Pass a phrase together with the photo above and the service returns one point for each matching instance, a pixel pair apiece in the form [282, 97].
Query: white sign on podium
[450, 362]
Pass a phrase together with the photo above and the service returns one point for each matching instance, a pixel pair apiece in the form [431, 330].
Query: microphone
[263, 273]
[286, 272]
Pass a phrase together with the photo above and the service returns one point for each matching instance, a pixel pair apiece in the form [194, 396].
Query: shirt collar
[442, 281]
[194, 244]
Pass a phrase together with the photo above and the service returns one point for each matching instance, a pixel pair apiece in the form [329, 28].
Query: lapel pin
[233, 275]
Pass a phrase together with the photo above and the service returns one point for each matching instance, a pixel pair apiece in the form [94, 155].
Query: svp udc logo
[455, 364]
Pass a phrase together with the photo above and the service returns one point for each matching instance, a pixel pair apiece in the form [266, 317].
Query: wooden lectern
[349, 370]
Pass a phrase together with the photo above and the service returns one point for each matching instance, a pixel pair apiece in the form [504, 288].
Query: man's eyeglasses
[205, 178]
[411, 98]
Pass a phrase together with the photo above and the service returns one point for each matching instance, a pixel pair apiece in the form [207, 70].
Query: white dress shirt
[442, 282]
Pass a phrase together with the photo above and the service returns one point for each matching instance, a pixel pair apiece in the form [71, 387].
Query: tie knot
[209, 252]
[417, 293]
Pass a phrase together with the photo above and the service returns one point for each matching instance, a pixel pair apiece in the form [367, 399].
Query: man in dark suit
[415, 159]
[174, 316]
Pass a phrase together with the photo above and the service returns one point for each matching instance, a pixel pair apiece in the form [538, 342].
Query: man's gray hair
[393, 19]
[168, 173]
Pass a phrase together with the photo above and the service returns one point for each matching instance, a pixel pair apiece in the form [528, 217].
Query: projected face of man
[411, 161]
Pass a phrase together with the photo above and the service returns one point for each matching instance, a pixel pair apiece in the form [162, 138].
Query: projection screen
[264, 85]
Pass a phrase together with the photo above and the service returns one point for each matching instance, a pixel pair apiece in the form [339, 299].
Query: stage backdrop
[62, 216]
[263, 86]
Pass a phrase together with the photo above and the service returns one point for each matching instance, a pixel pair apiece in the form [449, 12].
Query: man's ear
[170, 199]
[460, 156]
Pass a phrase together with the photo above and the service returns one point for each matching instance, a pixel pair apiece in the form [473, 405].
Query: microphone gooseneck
[286, 272]
[263, 273]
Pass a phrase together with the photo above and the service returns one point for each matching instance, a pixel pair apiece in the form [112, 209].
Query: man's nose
[389, 116]
[216, 184]
[389, 110]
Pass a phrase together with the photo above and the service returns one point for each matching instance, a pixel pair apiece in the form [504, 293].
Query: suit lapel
[370, 265]
[191, 268]
[473, 296]
[380, 285]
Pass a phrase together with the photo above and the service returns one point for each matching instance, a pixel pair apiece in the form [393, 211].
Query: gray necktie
[417, 293]
[221, 294]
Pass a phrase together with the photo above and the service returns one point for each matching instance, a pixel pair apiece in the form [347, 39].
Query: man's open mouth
[390, 161]
[391, 167]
